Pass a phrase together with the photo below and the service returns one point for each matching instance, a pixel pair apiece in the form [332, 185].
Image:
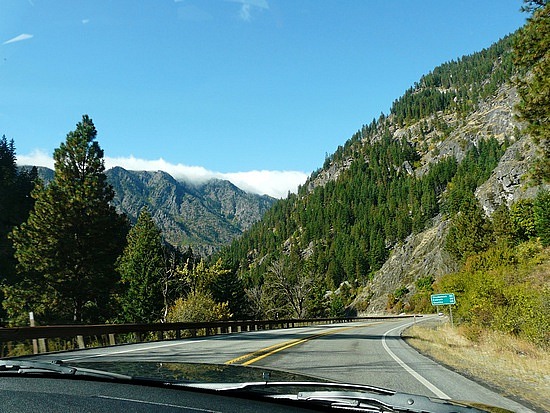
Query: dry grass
[518, 368]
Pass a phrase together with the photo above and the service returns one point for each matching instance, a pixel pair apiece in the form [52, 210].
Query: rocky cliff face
[205, 216]
[423, 254]
[493, 117]
[507, 184]
[420, 255]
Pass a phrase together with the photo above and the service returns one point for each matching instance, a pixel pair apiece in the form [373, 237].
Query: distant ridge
[204, 216]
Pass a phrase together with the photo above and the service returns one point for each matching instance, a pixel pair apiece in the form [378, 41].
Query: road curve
[362, 352]
[375, 354]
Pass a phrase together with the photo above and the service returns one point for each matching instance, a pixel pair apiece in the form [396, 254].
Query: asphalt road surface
[367, 352]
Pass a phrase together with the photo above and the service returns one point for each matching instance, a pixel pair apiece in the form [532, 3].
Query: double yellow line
[269, 351]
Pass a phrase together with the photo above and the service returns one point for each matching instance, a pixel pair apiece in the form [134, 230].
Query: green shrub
[197, 307]
[504, 289]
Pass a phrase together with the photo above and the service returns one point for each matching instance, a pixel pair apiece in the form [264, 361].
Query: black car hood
[240, 380]
[215, 376]
[195, 372]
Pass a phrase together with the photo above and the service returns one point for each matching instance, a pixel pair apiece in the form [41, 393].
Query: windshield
[218, 195]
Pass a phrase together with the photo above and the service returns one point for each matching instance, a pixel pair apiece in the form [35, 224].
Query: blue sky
[255, 91]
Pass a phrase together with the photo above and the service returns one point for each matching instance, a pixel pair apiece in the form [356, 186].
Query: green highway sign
[443, 299]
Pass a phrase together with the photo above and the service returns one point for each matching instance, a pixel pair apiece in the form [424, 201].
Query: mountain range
[201, 216]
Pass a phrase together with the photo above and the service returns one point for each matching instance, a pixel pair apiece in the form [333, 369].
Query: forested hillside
[385, 183]
[411, 197]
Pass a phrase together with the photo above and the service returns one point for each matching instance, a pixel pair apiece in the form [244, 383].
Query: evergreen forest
[68, 256]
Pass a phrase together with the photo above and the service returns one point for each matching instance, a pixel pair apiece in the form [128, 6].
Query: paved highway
[361, 352]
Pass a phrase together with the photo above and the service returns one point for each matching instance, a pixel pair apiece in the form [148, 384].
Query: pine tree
[73, 235]
[541, 210]
[142, 271]
[227, 287]
[469, 232]
[502, 224]
[15, 204]
[523, 219]
[15, 200]
[532, 49]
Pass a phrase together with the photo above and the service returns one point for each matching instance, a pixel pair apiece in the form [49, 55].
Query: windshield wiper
[55, 367]
[29, 366]
[400, 402]
[340, 396]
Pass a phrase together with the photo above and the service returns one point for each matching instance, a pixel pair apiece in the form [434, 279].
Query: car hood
[224, 377]
[244, 381]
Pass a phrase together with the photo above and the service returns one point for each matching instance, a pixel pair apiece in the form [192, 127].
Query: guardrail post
[35, 349]
[112, 340]
[42, 348]
[80, 342]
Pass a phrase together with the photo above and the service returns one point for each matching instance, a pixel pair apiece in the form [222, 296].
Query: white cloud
[245, 12]
[85, 21]
[19, 38]
[37, 158]
[274, 183]
[193, 174]
[248, 5]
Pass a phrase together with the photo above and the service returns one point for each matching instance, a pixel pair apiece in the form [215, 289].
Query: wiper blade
[30, 366]
[272, 385]
[340, 396]
[55, 367]
[397, 402]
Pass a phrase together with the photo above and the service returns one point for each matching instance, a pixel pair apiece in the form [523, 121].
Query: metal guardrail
[39, 334]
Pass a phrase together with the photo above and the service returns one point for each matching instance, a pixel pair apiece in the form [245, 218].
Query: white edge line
[417, 376]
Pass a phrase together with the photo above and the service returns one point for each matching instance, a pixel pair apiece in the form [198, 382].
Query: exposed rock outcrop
[420, 255]
[508, 182]
[423, 254]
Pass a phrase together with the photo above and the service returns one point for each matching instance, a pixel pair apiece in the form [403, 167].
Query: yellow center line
[268, 351]
[249, 355]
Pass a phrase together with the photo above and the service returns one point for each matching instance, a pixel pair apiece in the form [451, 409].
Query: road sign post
[444, 299]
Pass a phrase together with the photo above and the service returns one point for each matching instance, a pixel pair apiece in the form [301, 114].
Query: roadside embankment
[516, 368]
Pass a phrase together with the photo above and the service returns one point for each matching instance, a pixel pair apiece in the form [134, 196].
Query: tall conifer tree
[541, 209]
[73, 236]
[15, 204]
[532, 54]
[142, 270]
